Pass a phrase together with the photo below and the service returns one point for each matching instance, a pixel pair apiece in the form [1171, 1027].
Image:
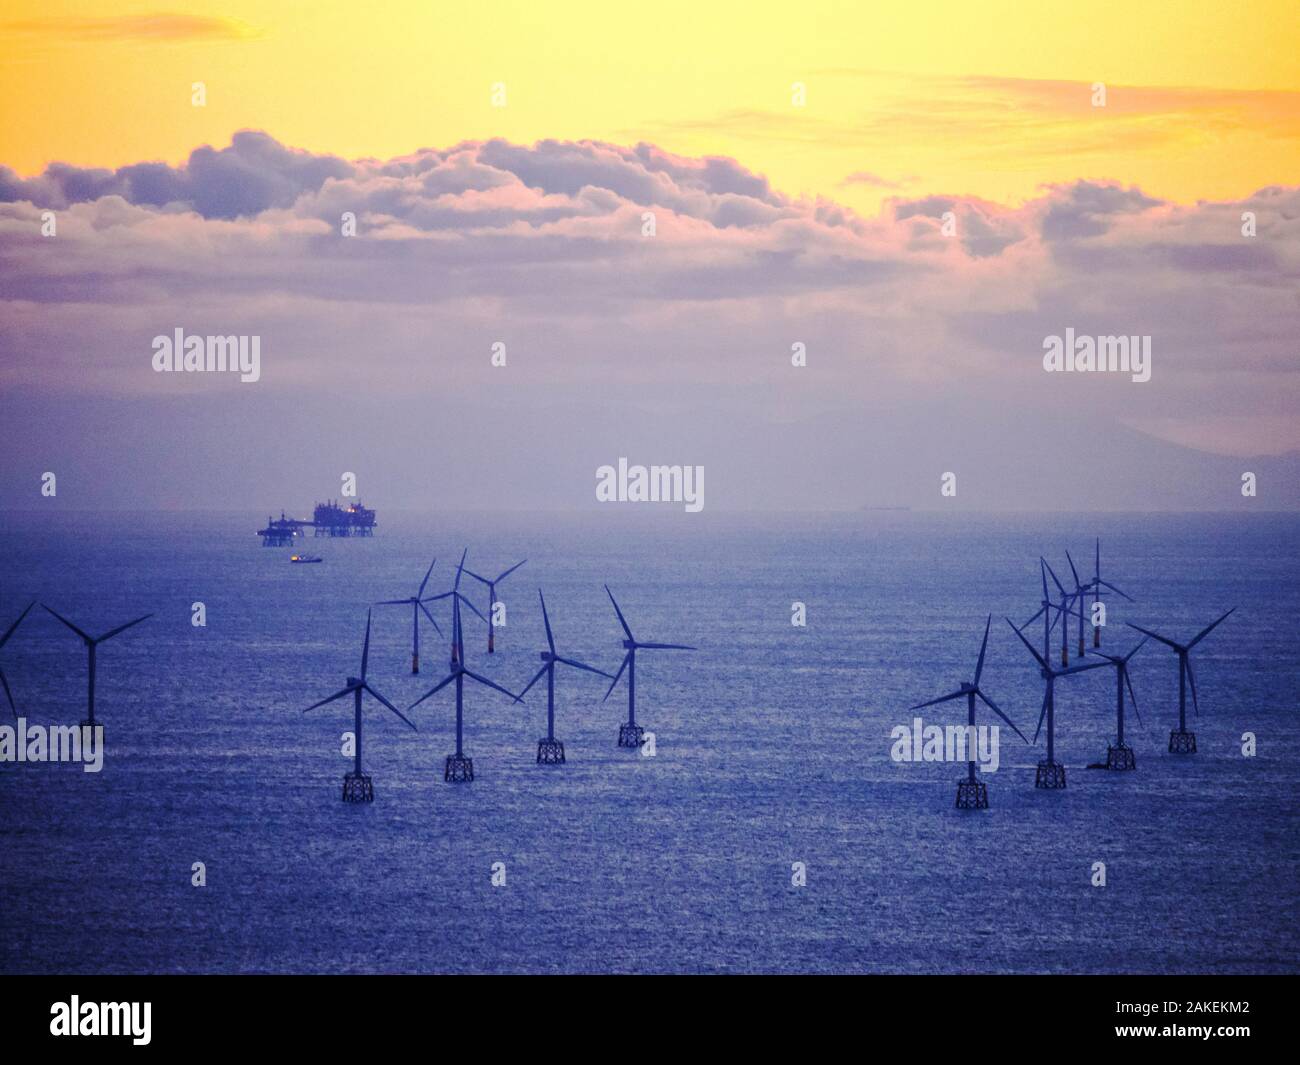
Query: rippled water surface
[772, 747]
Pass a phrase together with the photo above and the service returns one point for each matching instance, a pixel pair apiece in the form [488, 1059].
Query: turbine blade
[395, 602]
[1154, 635]
[4, 682]
[461, 599]
[626, 657]
[10, 631]
[1073, 571]
[482, 580]
[1053, 609]
[1037, 657]
[1042, 714]
[460, 569]
[365, 648]
[1132, 696]
[432, 620]
[621, 620]
[1107, 584]
[1191, 679]
[941, 699]
[337, 695]
[536, 677]
[1135, 650]
[83, 635]
[492, 684]
[390, 706]
[549, 638]
[509, 571]
[579, 665]
[456, 632]
[997, 710]
[979, 666]
[1096, 563]
[665, 647]
[1052, 573]
[1207, 630]
[427, 574]
[432, 691]
[122, 628]
[1083, 668]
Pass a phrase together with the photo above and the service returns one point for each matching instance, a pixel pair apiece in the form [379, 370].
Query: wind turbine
[971, 793]
[1050, 774]
[4, 640]
[1120, 756]
[1182, 741]
[550, 751]
[492, 600]
[631, 734]
[459, 768]
[1045, 608]
[416, 604]
[457, 647]
[357, 787]
[1063, 611]
[1079, 595]
[1096, 585]
[92, 642]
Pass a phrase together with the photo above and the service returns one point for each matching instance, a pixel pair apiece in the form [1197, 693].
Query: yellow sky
[989, 99]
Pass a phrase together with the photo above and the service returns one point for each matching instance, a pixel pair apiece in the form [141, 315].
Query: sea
[770, 831]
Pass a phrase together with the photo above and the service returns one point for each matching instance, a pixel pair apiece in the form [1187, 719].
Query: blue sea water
[772, 747]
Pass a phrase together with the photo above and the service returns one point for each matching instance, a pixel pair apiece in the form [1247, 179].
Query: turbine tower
[550, 751]
[1120, 756]
[492, 600]
[459, 768]
[1181, 741]
[4, 681]
[416, 603]
[92, 642]
[1051, 773]
[631, 734]
[357, 787]
[972, 794]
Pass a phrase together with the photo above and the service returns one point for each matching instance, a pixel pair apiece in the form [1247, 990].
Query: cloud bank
[671, 286]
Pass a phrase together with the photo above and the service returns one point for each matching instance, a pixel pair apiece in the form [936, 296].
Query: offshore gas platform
[328, 519]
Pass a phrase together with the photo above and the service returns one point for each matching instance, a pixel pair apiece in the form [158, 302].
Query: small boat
[305, 558]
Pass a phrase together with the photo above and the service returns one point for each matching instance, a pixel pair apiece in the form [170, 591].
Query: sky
[917, 194]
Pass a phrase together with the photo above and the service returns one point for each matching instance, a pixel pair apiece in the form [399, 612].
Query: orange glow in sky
[1202, 100]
